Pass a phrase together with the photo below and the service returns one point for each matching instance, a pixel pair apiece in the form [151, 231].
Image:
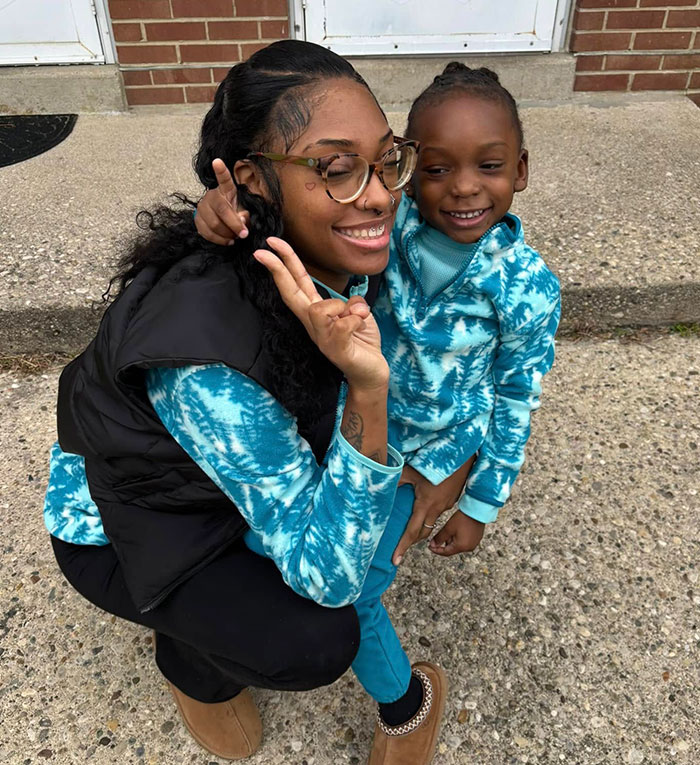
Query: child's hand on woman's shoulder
[218, 218]
[460, 534]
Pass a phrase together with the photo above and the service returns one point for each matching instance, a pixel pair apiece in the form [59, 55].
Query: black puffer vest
[165, 518]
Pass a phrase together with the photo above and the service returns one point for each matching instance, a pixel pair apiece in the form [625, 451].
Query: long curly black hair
[260, 100]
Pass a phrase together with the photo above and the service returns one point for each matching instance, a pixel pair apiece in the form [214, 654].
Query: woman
[201, 389]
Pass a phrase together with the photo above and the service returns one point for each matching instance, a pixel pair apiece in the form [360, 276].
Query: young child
[467, 319]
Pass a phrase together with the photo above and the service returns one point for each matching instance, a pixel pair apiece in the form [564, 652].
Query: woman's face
[345, 119]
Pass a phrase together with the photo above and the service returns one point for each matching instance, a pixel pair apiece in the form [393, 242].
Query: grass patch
[686, 330]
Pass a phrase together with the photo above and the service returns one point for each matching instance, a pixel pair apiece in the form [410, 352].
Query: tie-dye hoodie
[467, 364]
[320, 524]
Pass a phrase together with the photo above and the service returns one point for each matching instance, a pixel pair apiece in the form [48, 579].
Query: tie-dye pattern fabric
[69, 512]
[319, 524]
[467, 364]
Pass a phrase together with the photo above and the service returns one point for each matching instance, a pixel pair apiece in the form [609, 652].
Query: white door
[368, 27]
[49, 32]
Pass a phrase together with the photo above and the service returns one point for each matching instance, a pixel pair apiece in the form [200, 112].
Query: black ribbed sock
[403, 709]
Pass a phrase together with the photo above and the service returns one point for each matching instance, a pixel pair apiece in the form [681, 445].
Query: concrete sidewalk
[613, 205]
[571, 636]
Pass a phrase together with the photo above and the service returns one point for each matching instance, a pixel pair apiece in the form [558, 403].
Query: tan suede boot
[231, 729]
[413, 743]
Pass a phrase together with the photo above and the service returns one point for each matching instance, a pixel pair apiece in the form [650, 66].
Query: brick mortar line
[660, 52]
[656, 91]
[651, 30]
[644, 30]
[162, 85]
[581, 54]
[149, 68]
[638, 71]
[636, 9]
[200, 41]
[185, 19]
[171, 85]
[637, 30]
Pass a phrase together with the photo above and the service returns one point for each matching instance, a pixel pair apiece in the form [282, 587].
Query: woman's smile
[373, 235]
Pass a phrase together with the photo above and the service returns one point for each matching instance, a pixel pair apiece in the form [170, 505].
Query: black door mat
[23, 136]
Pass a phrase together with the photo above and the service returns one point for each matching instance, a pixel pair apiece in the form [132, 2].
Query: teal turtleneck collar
[439, 259]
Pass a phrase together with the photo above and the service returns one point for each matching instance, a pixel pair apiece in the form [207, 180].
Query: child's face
[469, 165]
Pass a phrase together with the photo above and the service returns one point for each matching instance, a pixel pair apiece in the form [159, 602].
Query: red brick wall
[632, 45]
[175, 51]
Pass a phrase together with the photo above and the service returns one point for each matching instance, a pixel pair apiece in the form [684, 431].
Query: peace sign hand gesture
[346, 333]
[218, 219]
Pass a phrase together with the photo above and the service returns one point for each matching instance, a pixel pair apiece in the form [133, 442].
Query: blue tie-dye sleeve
[319, 524]
[524, 355]
[69, 511]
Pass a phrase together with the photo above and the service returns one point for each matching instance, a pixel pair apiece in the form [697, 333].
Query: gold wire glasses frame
[346, 176]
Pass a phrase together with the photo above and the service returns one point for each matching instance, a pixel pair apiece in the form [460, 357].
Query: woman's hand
[346, 333]
[218, 219]
[430, 503]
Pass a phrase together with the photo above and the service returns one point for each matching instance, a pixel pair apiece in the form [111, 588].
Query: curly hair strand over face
[268, 98]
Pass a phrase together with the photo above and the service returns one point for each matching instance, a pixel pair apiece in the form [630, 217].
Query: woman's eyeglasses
[347, 175]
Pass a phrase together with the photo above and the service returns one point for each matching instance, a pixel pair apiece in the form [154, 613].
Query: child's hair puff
[456, 76]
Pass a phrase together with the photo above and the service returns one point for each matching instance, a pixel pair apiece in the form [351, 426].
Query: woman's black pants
[233, 624]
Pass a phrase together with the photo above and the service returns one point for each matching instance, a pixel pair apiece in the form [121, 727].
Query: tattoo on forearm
[353, 430]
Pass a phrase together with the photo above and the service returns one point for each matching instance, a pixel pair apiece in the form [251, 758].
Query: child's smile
[469, 165]
[466, 219]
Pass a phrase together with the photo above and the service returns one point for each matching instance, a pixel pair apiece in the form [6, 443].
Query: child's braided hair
[481, 82]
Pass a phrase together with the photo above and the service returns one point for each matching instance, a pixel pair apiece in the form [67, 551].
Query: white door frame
[96, 41]
[104, 26]
[297, 26]
[560, 38]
